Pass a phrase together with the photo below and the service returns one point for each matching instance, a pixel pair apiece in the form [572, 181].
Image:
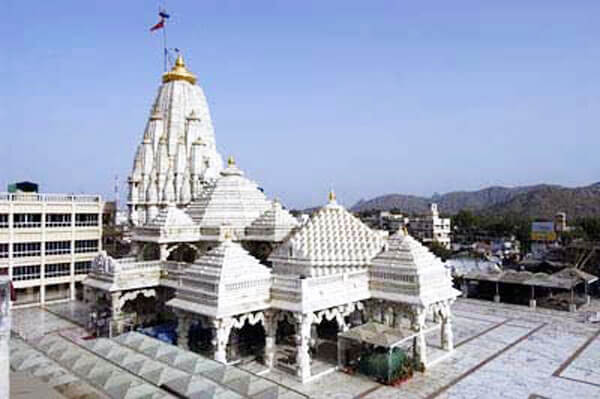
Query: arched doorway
[247, 343]
[325, 347]
[183, 253]
[144, 308]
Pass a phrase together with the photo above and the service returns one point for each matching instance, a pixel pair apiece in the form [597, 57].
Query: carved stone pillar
[303, 324]
[419, 343]
[115, 304]
[222, 329]
[184, 322]
[447, 334]
[164, 253]
[270, 325]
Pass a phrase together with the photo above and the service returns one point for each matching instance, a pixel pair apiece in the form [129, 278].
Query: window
[58, 247]
[86, 246]
[86, 219]
[3, 220]
[57, 269]
[83, 267]
[58, 220]
[24, 249]
[26, 272]
[25, 220]
[3, 251]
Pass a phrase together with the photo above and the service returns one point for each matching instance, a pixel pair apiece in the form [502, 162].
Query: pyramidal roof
[231, 200]
[275, 221]
[333, 237]
[171, 216]
[406, 271]
[226, 280]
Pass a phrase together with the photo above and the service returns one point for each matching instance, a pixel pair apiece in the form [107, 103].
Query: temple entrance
[247, 343]
[285, 340]
[325, 347]
[200, 339]
[145, 310]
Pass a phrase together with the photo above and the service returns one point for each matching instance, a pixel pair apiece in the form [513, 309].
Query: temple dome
[231, 200]
[333, 240]
[225, 281]
[406, 271]
[275, 223]
[171, 216]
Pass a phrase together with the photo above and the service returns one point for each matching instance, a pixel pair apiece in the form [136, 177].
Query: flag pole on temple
[162, 25]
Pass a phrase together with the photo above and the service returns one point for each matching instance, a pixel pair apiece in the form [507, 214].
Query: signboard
[543, 231]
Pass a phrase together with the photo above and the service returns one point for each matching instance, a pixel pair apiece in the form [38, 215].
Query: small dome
[232, 199]
[171, 216]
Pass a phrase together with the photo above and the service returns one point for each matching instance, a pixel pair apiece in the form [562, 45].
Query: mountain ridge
[534, 201]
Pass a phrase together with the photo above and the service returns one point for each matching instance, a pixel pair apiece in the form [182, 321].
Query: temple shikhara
[244, 279]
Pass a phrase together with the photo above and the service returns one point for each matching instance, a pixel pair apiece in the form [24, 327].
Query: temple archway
[246, 342]
[183, 253]
[325, 340]
[143, 304]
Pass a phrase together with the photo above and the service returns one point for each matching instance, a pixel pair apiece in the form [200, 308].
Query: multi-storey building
[431, 227]
[47, 243]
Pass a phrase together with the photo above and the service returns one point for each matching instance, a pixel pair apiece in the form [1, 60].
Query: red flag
[158, 26]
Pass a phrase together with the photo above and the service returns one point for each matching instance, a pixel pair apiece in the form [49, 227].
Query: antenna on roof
[116, 192]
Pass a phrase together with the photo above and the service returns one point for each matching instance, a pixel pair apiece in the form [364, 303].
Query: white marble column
[447, 334]
[115, 303]
[420, 344]
[184, 323]
[164, 253]
[270, 325]
[303, 324]
[222, 329]
[116, 313]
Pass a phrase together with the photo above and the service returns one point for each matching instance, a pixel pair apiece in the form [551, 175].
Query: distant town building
[47, 243]
[391, 221]
[431, 227]
[5, 324]
[560, 222]
[546, 234]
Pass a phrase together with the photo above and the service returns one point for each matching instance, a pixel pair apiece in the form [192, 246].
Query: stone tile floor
[502, 351]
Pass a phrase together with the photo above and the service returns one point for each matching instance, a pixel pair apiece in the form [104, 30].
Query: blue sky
[368, 97]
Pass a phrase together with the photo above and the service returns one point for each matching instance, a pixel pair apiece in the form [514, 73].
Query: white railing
[35, 197]
[127, 267]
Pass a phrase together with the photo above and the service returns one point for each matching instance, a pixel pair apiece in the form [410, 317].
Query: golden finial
[230, 161]
[405, 230]
[331, 195]
[179, 72]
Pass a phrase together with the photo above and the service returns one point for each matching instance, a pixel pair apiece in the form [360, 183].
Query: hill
[538, 201]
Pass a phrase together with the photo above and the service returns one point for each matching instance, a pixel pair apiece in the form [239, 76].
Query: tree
[440, 251]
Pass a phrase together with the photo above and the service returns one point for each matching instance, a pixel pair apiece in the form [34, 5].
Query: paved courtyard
[502, 351]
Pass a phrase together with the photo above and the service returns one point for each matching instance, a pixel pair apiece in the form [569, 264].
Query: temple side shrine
[243, 278]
